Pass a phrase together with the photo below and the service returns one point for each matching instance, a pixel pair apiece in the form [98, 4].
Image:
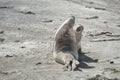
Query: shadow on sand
[84, 59]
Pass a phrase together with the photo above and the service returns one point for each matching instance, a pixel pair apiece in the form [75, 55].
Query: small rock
[3, 48]
[29, 12]
[8, 56]
[115, 79]
[111, 62]
[51, 37]
[91, 2]
[5, 73]
[48, 21]
[23, 47]
[99, 77]
[105, 22]
[19, 28]
[116, 57]
[60, 19]
[38, 63]
[94, 17]
[1, 40]
[17, 41]
[88, 7]
[118, 25]
[1, 32]
[91, 35]
[5, 7]
[96, 60]
[55, 28]
[100, 8]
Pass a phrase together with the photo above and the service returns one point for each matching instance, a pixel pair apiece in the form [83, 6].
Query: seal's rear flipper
[69, 23]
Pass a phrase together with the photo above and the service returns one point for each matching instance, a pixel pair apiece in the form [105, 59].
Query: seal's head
[70, 62]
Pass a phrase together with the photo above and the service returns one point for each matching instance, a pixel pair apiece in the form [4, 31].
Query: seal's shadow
[84, 59]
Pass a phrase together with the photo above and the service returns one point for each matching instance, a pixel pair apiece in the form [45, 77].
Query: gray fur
[66, 43]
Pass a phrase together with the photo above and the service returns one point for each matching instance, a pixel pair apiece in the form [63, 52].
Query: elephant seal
[66, 44]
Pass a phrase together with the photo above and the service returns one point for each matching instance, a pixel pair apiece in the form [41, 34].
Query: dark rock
[94, 17]
[8, 56]
[60, 19]
[17, 41]
[99, 77]
[118, 25]
[5, 7]
[88, 7]
[48, 21]
[19, 28]
[1, 32]
[23, 47]
[38, 63]
[100, 8]
[1, 40]
[105, 22]
[111, 62]
[96, 60]
[91, 2]
[116, 57]
[28, 12]
[115, 79]
[5, 73]
[91, 35]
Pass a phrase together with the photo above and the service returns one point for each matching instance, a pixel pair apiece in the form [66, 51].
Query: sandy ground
[27, 30]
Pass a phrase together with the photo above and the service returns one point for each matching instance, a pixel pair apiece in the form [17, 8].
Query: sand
[27, 29]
